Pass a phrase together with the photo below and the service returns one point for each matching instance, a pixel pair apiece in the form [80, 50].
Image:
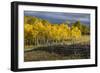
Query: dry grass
[82, 40]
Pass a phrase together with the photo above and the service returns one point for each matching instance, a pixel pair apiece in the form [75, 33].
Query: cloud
[59, 15]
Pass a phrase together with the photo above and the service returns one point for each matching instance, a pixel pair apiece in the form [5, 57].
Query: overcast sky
[59, 17]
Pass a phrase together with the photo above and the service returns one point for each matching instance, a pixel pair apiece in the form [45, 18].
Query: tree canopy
[41, 31]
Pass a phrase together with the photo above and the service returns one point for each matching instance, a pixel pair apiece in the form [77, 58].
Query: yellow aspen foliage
[34, 33]
[65, 31]
[28, 28]
[75, 32]
[40, 33]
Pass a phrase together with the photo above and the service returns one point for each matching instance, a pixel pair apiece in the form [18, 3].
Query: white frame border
[22, 64]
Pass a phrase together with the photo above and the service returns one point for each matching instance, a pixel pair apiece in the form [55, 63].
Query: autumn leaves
[43, 32]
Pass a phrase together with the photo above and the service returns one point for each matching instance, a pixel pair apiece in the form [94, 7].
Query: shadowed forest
[44, 40]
